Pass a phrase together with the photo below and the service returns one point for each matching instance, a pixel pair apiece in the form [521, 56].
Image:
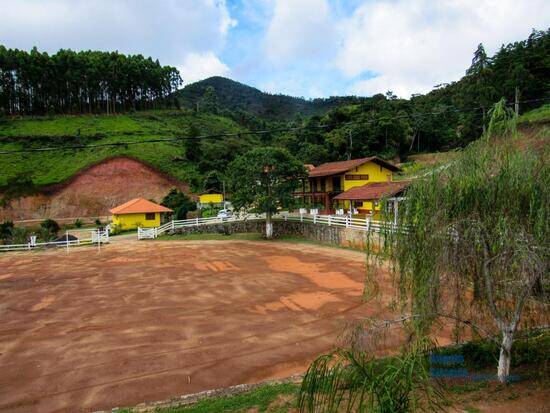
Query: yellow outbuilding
[210, 199]
[138, 212]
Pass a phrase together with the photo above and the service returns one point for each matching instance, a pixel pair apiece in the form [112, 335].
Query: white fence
[145, 233]
[362, 224]
[97, 237]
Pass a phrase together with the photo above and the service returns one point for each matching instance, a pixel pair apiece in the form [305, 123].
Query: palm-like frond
[354, 381]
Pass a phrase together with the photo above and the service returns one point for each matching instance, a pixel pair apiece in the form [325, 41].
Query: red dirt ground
[82, 331]
[94, 190]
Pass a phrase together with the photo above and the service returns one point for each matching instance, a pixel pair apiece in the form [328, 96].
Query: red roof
[375, 190]
[138, 206]
[335, 168]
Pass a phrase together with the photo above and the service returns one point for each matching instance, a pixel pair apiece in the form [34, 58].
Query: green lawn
[279, 398]
[53, 167]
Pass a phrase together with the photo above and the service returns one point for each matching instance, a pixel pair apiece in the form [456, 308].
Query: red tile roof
[335, 168]
[138, 206]
[375, 190]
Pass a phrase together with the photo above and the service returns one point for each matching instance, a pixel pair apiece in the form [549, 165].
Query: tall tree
[263, 179]
[481, 223]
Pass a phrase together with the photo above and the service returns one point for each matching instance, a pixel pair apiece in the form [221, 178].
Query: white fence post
[173, 225]
[314, 218]
[367, 222]
[197, 221]
[347, 221]
[329, 220]
[301, 217]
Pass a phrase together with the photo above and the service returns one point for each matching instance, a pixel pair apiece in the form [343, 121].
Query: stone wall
[333, 235]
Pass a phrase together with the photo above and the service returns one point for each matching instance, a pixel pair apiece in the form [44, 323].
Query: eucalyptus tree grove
[68, 82]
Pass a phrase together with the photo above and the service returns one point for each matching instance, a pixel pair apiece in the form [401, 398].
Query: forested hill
[234, 97]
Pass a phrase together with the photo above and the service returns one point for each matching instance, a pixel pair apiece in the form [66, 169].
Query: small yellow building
[211, 198]
[138, 212]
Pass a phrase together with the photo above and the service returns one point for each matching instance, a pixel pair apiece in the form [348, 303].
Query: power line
[238, 134]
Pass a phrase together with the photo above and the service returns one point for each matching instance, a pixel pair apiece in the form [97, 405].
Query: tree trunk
[268, 226]
[505, 355]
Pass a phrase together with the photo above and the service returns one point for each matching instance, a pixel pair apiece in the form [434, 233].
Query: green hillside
[48, 168]
[234, 96]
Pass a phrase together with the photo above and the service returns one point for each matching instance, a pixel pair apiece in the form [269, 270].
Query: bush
[98, 222]
[20, 235]
[6, 230]
[50, 228]
[210, 212]
[528, 350]
[78, 223]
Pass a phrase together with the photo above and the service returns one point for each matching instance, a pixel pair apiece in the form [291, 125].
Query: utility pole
[223, 184]
[516, 104]
[350, 145]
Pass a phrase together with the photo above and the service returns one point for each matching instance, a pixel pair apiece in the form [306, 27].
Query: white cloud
[226, 22]
[168, 30]
[415, 44]
[198, 66]
[300, 30]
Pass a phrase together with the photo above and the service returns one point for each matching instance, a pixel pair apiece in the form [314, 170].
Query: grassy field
[53, 167]
[274, 398]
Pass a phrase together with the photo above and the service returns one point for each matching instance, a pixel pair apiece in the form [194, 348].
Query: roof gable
[137, 206]
[335, 168]
[374, 190]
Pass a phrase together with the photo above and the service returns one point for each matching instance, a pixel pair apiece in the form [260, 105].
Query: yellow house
[212, 198]
[138, 212]
[334, 184]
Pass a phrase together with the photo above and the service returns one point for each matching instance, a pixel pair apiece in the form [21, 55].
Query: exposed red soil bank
[95, 190]
[83, 330]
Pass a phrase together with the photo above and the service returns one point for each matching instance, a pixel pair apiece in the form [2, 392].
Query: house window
[336, 183]
[322, 182]
[150, 216]
[364, 177]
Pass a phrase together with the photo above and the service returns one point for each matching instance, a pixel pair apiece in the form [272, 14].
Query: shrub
[50, 228]
[78, 223]
[6, 230]
[20, 235]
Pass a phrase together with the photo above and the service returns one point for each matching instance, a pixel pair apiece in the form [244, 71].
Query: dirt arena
[143, 321]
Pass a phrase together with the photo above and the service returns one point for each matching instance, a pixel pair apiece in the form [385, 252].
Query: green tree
[179, 202]
[480, 223]
[263, 179]
[193, 147]
[50, 228]
[209, 100]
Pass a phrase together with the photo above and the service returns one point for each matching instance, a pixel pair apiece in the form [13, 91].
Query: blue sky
[310, 48]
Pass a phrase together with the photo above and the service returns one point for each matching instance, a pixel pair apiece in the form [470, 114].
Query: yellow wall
[211, 199]
[376, 174]
[132, 221]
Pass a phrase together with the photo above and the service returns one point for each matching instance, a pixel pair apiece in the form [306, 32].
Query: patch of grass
[48, 168]
[259, 399]
[538, 115]
[471, 409]
[468, 387]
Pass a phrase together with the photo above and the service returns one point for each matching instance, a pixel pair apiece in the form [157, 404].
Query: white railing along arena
[362, 224]
[89, 237]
